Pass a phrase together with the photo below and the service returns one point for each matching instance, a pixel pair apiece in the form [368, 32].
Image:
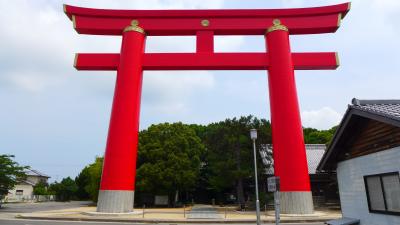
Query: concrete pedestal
[298, 202]
[115, 201]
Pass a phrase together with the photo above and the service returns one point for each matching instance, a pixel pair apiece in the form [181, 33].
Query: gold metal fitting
[339, 19]
[337, 59]
[277, 26]
[134, 27]
[76, 60]
[74, 21]
[205, 23]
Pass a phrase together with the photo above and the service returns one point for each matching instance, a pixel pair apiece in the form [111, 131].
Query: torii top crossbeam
[221, 21]
[205, 24]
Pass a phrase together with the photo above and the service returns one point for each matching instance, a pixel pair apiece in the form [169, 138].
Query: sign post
[273, 186]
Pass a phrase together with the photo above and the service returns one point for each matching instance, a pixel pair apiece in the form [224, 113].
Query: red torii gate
[119, 169]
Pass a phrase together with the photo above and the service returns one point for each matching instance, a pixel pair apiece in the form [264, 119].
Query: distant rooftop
[31, 172]
[314, 155]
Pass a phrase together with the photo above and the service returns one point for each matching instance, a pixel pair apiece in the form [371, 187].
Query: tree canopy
[65, 190]
[168, 159]
[314, 136]
[178, 158]
[40, 188]
[82, 180]
[93, 185]
[230, 154]
[10, 173]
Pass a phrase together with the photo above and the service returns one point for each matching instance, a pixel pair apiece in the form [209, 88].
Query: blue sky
[55, 118]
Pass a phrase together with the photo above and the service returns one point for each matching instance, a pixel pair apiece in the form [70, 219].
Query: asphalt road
[36, 207]
[46, 222]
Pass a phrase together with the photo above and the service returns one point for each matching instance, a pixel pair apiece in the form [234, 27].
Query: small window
[383, 193]
[19, 192]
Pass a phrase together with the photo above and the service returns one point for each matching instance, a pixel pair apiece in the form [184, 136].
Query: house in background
[365, 153]
[23, 191]
[323, 185]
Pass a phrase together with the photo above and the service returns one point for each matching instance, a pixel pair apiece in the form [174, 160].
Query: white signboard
[273, 184]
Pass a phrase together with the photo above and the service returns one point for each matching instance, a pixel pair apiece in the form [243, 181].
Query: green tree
[40, 188]
[314, 136]
[230, 154]
[65, 190]
[94, 176]
[82, 180]
[168, 159]
[10, 173]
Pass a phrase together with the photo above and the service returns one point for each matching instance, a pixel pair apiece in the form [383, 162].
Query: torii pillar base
[296, 202]
[115, 201]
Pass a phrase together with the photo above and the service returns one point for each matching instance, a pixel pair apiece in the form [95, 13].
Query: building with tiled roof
[23, 191]
[365, 154]
[314, 154]
[323, 185]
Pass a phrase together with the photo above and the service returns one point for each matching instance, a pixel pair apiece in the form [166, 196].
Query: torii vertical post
[119, 168]
[118, 178]
[290, 161]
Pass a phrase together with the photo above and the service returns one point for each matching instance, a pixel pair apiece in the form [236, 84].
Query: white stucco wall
[352, 192]
[26, 195]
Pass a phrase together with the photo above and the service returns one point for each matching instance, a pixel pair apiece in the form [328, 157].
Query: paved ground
[203, 212]
[44, 222]
[37, 207]
[77, 213]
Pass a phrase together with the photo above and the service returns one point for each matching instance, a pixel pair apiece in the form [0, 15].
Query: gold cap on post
[76, 60]
[74, 21]
[337, 59]
[277, 26]
[134, 27]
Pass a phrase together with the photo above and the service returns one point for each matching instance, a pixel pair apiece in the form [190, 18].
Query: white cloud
[45, 45]
[150, 4]
[171, 44]
[32, 82]
[323, 118]
[168, 92]
[228, 43]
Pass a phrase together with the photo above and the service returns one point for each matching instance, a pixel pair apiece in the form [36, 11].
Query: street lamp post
[253, 136]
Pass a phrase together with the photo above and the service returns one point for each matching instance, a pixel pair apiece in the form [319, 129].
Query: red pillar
[119, 168]
[290, 162]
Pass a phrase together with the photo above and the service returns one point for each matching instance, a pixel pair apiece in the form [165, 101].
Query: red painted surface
[204, 41]
[222, 21]
[220, 26]
[119, 168]
[290, 162]
[220, 13]
[207, 61]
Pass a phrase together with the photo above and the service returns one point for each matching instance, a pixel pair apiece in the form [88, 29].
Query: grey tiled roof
[28, 182]
[385, 111]
[314, 155]
[30, 172]
[386, 108]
